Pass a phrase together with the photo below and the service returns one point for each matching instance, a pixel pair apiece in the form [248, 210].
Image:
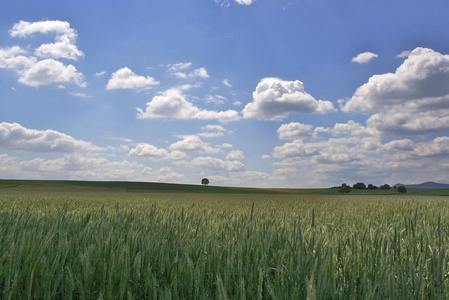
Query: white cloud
[227, 83]
[34, 72]
[399, 145]
[173, 68]
[275, 99]
[226, 145]
[244, 2]
[214, 127]
[172, 104]
[364, 58]
[215, 99]
[235, 154]
[216, 164]
[409, 122]
[50, 71]
[59, 50]
[294, 149]
[352, 128]
[64, 46]
[213, 131]
[164, 174]
[13, 136]
[192, 143]
[179, 70]
[403, 54]
[82, 95]
[211, 134]
[24, 29]
[413, 100]
[14, 58]
[437, 147]
[124, 78]
[265, 156]
[101, 73]
[422, 79]
[197, 73]
[148, 150]
[226, 3]
[294, 131]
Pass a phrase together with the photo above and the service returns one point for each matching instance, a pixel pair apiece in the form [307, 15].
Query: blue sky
[250, 93]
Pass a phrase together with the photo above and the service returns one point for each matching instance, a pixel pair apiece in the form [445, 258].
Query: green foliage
[402, 189]
[204, 181]
[385, 187]
[372, 187]
[344, 189]
[359, 186]
[107, 245]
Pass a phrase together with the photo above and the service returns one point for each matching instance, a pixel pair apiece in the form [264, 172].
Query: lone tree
[204, 181]
[402, 189]
[344, 189]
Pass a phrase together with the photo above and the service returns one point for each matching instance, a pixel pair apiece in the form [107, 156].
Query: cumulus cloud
[422, 78]
[172, 104]
[150, 151]
[413, 100]
[275, 99]
[409, 122]
[294, 131]
[50, 71]
[235, 154]
[14, 58]
[164, 174]
[82, 167]
[401, 145]
[125, 78]
[216, 164]
[353, 128]
[437, 147]
[364, 58]
[213, 131]
[13, 136]
[35, 72]
[192, 143]
[294, 149]
[64, 46]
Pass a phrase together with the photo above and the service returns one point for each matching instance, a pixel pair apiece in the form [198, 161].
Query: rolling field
[75, 241]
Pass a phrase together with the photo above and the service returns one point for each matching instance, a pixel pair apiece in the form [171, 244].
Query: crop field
[83, 243]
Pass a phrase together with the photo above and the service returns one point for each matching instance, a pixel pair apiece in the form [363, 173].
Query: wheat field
[107, 245]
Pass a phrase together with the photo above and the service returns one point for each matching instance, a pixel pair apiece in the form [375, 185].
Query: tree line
[346, 189]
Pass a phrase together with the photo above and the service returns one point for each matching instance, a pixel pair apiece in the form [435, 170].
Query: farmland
[66, 240]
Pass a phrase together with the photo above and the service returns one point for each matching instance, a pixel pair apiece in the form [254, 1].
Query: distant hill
[428, 185]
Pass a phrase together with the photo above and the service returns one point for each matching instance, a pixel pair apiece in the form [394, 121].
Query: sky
[259, 93]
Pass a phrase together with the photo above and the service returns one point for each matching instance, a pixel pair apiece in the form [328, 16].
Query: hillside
[64, 186]
[428, 185]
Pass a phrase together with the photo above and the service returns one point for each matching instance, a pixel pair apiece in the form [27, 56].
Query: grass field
[75, 241]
